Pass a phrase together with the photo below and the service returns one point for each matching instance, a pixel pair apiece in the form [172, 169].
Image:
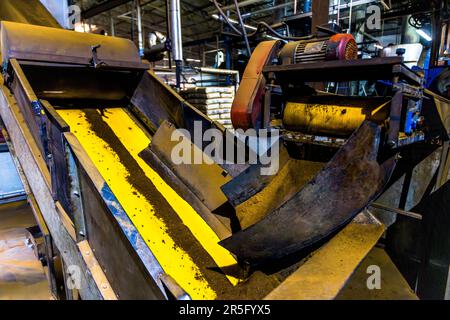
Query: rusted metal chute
[339, 191]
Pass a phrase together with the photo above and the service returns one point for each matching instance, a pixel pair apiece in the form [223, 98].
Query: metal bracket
[95, 62]
[75, 195]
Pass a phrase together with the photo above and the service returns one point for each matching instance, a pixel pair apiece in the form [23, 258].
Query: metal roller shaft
[326, 119]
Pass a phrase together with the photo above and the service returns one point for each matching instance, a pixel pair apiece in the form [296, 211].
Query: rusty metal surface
[155, 102]
[56, 65]
[342, 189]
[203, 179]
[344, 70]
[289, 181]
[250, 182]
[254, 195]
[37, 43]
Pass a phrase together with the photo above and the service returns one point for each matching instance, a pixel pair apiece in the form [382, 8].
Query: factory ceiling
[197, 16]
[200, 27]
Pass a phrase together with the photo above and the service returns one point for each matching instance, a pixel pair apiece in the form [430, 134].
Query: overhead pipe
[228, 72]
[102, 7]
[112, 23]
[339, 13]
[350, 18]
[349, 4]
[244, 32]
[272, 8]
[242, 4]
[168, 32]
[261, 24]
[139, 26]
[177, 43]
[132, 25]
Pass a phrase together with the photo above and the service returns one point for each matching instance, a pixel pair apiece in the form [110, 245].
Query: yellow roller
[328, 119]
[173, 259]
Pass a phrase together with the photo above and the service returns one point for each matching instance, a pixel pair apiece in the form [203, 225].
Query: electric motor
[337, 47]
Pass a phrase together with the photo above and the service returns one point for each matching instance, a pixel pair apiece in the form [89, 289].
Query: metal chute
[340, 190]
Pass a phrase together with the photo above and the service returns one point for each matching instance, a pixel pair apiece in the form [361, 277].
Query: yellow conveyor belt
[175, 261]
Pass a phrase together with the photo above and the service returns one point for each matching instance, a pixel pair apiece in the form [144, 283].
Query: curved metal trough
[347, 184]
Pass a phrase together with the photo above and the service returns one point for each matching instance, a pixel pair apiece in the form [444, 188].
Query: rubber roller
[328, 119]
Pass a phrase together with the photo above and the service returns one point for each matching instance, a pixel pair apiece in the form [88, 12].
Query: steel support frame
[94, 285]
[102, 7]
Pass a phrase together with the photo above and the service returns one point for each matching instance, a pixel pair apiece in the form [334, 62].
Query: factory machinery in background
[350, 143]
[91, 127]
[351, 150]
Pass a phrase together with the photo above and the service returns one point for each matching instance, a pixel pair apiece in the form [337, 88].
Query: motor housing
[336, 47]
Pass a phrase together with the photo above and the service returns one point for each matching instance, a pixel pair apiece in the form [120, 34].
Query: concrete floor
[22, 276]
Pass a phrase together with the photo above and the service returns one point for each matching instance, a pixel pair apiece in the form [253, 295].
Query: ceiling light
[424, 35]
[193, 60]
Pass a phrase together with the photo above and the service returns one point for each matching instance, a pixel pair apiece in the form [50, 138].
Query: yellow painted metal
[175, 261]
[327, 271]
[328, 119]
[137, 141]
[393, 285]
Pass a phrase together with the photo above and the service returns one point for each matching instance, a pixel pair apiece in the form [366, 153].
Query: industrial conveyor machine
[92, 127]
[343, 147]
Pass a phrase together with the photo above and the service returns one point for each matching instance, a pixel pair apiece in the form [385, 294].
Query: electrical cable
[244, 33]
[260, 24]
[279, 35]
[225, 18]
